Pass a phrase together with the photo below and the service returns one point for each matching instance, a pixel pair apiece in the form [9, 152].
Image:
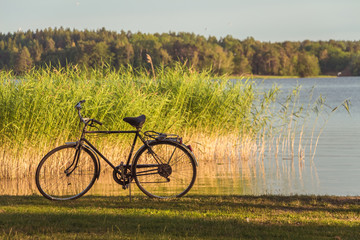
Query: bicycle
[163, 167]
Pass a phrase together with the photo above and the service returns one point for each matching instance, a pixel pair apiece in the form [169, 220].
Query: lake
[333, 170]
[335, 167]
[337, 159]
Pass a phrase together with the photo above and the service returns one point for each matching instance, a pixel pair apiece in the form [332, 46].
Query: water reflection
[217, 176]
[19, 186]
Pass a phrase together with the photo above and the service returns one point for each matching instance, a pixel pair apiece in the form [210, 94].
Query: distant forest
[22, 51]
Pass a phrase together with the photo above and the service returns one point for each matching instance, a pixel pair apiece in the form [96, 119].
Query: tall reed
[37, 110]
[40, 105]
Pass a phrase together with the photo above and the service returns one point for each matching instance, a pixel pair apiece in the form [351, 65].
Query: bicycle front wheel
[165, 170]
[66, 173]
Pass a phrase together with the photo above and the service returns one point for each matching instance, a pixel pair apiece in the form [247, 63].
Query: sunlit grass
[195, 217]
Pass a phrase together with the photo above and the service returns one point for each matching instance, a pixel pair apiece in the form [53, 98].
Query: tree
[240, 62]
[36, 50]
[355, 65]
[241, 65]
[24, 61]
[61, 46]
[308, 65]
[50, 44]
[2, 45]
[100, 54]
[123, 52]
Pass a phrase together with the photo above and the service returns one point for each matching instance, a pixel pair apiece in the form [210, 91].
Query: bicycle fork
[74, 162]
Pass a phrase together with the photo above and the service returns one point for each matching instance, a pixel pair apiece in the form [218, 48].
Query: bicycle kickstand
[130, 190]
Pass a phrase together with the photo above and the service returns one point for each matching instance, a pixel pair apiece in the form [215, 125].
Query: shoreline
[280, 77]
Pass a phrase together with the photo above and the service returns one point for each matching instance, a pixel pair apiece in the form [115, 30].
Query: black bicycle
[162, 168]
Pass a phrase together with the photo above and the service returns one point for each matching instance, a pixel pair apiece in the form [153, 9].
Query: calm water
[334, 170]
[335, 167]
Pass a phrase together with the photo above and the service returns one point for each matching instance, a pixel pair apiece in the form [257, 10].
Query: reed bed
[41, 103]
[232, 127]
[37, 109]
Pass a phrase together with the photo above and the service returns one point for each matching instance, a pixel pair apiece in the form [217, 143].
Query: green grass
[194, 217]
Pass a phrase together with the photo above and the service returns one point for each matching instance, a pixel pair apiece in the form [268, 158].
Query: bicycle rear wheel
[66, 173]
[165, 170]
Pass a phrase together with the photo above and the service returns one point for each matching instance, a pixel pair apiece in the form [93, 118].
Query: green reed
[39, 106]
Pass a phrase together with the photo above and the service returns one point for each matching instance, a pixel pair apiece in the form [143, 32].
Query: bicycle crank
[121, 178]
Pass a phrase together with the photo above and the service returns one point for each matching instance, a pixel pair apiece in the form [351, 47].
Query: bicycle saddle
[136, 122]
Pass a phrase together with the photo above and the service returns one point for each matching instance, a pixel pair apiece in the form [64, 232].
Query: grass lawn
[192, 217]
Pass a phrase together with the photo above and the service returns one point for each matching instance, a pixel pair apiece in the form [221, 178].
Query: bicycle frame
[127, 165]
[97, 152]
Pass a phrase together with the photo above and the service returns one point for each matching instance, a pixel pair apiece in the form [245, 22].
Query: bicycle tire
[52, 180]
[167, 180]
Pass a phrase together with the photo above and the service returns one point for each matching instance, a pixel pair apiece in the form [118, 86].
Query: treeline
[22, 51]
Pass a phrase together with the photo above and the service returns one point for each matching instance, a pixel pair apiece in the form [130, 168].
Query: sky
[264, 20]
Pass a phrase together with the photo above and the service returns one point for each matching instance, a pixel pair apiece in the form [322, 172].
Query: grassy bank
[195, 217]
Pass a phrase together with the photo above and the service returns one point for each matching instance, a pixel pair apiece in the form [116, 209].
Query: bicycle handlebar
[96, 121]
[78, 105]
[85, 120]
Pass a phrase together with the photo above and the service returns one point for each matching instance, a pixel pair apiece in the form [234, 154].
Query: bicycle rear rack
[163, 136]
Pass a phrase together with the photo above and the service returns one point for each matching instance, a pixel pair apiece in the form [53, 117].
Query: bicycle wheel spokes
[61, 176]
[172, 178]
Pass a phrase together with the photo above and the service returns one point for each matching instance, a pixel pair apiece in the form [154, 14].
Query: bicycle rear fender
[191, 153]
[93, 152]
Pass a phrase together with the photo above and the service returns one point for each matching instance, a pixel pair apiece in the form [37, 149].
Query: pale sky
[265, 20]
